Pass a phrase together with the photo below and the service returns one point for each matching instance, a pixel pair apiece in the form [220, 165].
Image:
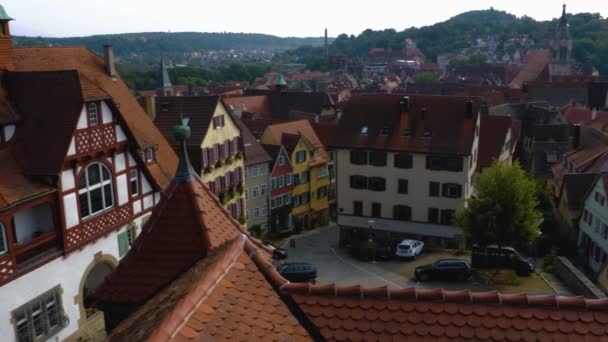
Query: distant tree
[425, 78]
[505, 211]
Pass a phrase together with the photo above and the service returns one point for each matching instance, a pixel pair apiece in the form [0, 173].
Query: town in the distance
[448, 182]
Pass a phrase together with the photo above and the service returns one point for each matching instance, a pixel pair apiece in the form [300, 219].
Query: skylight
[364, 130]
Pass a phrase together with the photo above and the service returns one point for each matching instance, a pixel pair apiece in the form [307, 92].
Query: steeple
[281, 84]
[563, 22]
[165, 81]
[185, 173]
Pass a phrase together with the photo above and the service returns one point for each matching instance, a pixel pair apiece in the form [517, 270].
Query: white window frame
[281, 161]
[88, 188]
[262, 189]
[134, 177]
[298, 159]
[280, 181]
[264, 211]
[256, 192]
[323, 172]
[286, 199]
[205, 153]
[93, 114]
[254, 171]
[256, 212]
[226, 148]
[3, 243]
[288, 179]
[47, 304]
[149, 155]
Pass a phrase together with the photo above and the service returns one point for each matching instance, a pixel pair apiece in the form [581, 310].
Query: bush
[549, 261]
[363, 250]
[256, 230]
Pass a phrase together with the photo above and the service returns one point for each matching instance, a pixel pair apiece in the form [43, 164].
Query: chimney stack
[109, 58]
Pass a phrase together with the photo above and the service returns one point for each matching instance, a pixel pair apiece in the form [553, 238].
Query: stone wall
[576, 280]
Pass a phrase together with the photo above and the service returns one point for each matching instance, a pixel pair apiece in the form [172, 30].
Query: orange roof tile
[301, 127]
[536, 62]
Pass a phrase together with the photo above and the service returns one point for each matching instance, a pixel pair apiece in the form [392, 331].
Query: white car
[409, 248]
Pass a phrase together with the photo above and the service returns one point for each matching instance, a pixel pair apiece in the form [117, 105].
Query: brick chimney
[109, 58]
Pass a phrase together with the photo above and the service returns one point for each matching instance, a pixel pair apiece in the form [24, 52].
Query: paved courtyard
[320, 248]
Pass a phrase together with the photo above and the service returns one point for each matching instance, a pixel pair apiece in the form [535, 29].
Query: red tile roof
[492, 137]
[299, 127]
[14, 186]
[537, 61]
[260, 105]
[92, 67]
[371, 314]
[188, 223]
[444, 116]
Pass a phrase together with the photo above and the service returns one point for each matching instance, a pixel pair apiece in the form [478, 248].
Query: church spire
[563, 22]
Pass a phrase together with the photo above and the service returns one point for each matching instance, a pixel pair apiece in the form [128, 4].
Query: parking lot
[334, 265]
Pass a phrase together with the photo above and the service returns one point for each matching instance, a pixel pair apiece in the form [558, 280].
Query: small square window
[93, 114]
[149, 155]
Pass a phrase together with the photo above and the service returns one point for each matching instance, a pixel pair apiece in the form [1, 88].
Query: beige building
[215, 147]
[405, 166]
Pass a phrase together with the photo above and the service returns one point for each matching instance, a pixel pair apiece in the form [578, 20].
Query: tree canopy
[505, 212]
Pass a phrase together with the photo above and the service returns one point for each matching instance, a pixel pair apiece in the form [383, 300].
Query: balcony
[36, 237]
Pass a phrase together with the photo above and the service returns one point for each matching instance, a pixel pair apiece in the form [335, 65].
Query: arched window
[3, 244]
[95, 190]
[93, 115]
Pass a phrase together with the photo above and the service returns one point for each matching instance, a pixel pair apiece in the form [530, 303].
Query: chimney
[405, 104]
[109, 58]
[468, 113]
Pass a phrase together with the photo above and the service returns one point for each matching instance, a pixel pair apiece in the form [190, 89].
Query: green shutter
[123, 243]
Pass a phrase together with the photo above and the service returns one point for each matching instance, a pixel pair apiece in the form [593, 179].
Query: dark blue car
[298, 272]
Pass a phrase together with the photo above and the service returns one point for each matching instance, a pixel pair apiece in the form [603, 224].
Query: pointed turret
[185, 173]
[281, 84]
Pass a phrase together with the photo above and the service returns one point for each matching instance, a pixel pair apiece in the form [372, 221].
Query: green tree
[425, 78]
[505, 212]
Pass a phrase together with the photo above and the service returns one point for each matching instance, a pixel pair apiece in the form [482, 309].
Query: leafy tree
[425, 78]
[505, 212]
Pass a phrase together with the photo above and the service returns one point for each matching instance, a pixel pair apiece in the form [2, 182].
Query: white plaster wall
[146, 187]
[123, 191]
[70, 209]
[137, 207]
[156, 197]
[148, 201]
[9, 131]
[131, 160]
[38, 218]
[65, 271]
[600, 215]
[72, 148]
[120, 134]
[67, 180]
[106, 113]
[418, 186]
[82, 119]
[120, 162]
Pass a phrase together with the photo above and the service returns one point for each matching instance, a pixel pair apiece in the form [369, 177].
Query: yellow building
[310, 173]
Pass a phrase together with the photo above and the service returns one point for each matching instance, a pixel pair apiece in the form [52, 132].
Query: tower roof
[281, 80]
[563, 22]
[3, 15]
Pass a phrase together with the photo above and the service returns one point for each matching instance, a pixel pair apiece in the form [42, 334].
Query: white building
[405, 163]
[81, 167]
[593, 225]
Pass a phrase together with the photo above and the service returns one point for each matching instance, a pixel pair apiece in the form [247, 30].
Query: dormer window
[93, 114]
[149, 154]
[364, 130]
[427, 133]
[384, 130]
[407, 132]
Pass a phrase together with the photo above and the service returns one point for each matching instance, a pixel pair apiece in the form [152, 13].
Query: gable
[229, 131]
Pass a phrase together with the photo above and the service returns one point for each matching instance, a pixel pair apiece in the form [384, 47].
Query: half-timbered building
[81, 167]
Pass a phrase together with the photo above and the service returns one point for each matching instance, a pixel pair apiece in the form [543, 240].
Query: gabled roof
[92, 67]
[312, 102]
[443, 116]
[536, 62]
[14, 186]
[576, 187]
[50, 103]
[260, 105]
[492, 137]
[199, 109]
[299, 127]
[254, 152]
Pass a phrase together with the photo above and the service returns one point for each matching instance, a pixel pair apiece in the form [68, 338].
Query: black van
[500, 257]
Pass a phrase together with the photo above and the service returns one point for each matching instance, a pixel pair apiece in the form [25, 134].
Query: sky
[68, 18]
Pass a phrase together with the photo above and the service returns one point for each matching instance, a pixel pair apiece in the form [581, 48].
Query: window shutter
[123, 244]
[221, 148]
[205, 157]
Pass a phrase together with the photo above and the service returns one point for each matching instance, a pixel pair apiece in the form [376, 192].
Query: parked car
[298, 272]
[278, 253]
[444, 269]
[409, 248]
[384, 251]
[500, 257]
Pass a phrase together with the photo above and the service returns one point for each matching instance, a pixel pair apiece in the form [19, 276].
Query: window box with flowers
[208, 169]
[239, 156]
[240, 189]
[219, 163]
[231, 192]
[229, 160]
[224, 198]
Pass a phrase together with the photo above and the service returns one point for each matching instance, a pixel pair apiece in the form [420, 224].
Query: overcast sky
[62, 18]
